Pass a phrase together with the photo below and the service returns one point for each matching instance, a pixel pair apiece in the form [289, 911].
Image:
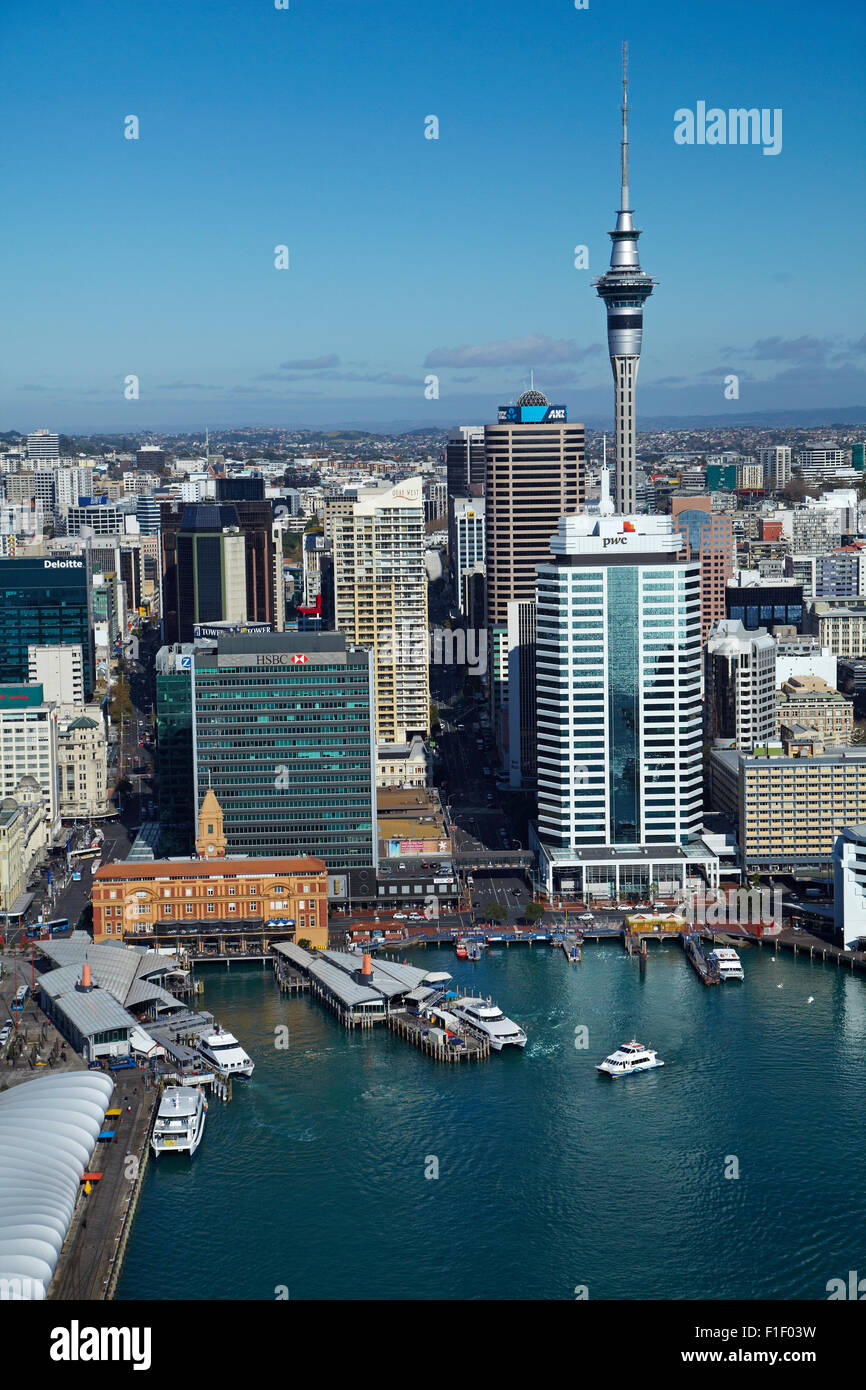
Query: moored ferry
[225, 1053]
[727, 963]
[487, 1019]
[179, 1123]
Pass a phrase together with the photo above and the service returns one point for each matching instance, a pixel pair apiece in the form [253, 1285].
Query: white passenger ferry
[486, 1018]
[224, 1052]
[727, 963]
[630, 1057]
[179, 1123]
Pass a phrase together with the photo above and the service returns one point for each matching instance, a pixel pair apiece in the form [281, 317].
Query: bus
[20, 996]
[60, 924]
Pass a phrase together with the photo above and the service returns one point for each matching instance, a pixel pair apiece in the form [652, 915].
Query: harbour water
[311, 1182]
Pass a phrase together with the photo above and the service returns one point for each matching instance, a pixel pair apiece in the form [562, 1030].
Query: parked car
[416, 917]
[400, 916]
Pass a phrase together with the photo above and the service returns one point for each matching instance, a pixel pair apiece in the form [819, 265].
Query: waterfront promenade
[92, 1255]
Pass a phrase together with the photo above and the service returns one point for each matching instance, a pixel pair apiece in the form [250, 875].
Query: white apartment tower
[380, 598]
[618, 660]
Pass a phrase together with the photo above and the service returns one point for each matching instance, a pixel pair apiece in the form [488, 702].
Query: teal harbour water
[311, 1183]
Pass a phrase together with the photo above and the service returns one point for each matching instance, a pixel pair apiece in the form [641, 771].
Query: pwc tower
[624, 288]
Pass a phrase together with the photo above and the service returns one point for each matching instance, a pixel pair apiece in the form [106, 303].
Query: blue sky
[408, 256]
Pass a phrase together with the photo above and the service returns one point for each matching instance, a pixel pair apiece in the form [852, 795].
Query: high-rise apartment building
[435, 501]
[535, 475]
[619, 710]
[741, 685]
[282, 726]
[776, 463]
[380, 602]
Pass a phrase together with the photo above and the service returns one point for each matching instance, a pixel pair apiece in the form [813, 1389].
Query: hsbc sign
[298, 659]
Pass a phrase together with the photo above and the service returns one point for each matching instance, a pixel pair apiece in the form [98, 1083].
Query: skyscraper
[624, 288]
[619, 710]
[535, 475]
[45, 602]
[740, 685]
[282, 734]
[263, 562]
[380, 586]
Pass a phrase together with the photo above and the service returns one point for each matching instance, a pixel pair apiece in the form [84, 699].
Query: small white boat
[179, 1123]
[486, 1018]
[225, 1053]
[727, 963]
[630, 1057]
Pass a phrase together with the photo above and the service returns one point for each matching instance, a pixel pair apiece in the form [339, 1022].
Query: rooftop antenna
[624, 198]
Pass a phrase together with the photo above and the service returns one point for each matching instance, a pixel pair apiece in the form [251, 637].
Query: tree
[434, 718]
[533, 913]
[495, 912]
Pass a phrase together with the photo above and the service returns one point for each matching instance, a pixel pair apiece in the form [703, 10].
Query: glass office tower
[44, 602]
[283, 733]
[618, 670]
[177, 808]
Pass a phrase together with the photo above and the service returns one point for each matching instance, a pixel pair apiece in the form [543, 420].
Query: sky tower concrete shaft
[624, 288]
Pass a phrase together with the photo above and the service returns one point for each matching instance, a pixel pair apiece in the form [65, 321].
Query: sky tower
[624, 288]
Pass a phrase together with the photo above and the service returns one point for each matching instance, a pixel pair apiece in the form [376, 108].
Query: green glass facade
[44, 602]
[283, 735]
[176, 781]
[623, 704]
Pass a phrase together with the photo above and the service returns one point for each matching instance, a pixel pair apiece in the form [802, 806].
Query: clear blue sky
[305, 127]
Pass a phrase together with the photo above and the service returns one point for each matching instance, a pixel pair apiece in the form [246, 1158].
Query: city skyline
[406, 258]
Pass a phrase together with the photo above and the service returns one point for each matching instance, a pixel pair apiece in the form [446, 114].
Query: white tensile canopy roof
[48, 1129]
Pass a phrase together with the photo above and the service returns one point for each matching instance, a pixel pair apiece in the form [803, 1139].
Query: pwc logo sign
[613, 540]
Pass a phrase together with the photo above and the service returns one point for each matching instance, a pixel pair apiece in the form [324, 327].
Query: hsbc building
[283, 734]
